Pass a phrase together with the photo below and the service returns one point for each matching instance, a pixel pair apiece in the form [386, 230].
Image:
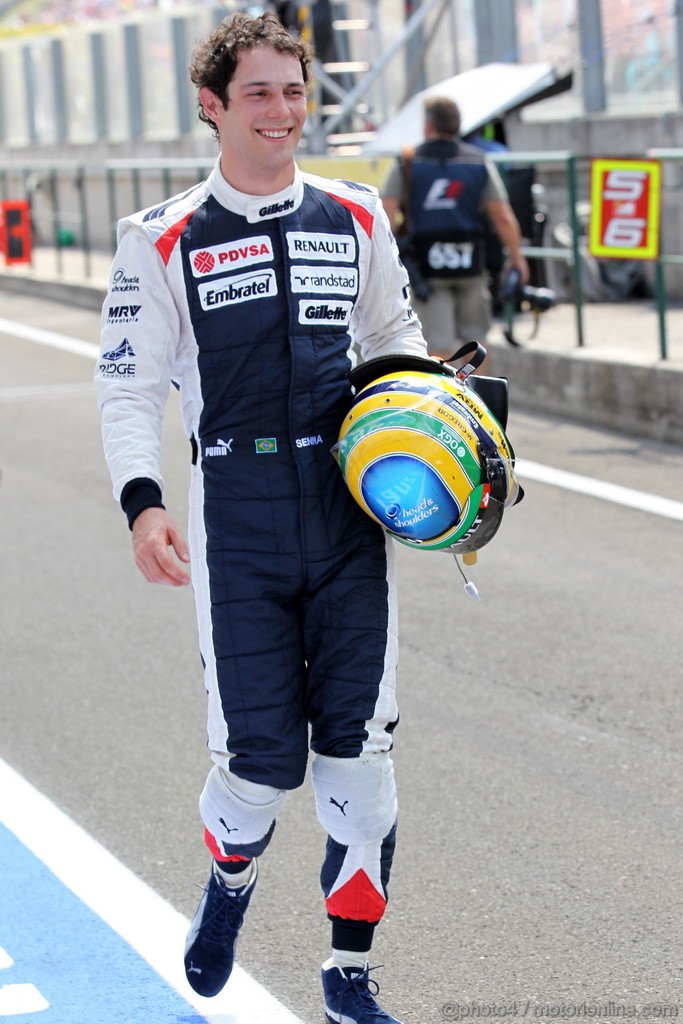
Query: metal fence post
[137, 191]
[79, 182]
[113, 217]
[576, 256]
[660, 295]
[54, 203]
[554, 252]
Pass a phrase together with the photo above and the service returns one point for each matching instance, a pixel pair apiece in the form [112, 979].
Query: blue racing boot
[210, 946]
[349, 997]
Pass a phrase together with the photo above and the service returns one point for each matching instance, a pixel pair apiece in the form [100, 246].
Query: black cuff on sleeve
[138, 495]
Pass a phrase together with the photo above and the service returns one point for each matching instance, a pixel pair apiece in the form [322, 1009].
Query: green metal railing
[158, 179]
[50, 178]
[571, 255]
[663, 259]
[135, 171]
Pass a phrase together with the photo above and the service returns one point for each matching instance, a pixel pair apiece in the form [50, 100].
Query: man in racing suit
[247, 292]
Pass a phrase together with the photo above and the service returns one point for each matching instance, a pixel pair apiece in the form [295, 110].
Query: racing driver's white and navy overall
[252, 306]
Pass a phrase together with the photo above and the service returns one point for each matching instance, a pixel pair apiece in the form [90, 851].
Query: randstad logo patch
[324, 280]
[265, 445]
[231, 255]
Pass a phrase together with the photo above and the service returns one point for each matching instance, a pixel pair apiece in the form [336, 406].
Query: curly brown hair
[214, 61]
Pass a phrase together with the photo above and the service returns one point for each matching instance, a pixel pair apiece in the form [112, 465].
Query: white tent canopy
[482, 94]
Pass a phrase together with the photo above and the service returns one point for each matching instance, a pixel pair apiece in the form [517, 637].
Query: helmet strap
[477, 353]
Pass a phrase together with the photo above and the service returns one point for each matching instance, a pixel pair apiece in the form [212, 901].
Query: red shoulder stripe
[166, 242]
[363, 216]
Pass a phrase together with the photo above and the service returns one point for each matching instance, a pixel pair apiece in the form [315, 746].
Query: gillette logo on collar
[276, 208]
[258, 210]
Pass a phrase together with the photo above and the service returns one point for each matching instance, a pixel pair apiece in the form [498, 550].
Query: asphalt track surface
[539, 870]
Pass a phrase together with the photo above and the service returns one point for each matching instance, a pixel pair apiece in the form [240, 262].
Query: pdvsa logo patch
[203, 262]
[243, 252]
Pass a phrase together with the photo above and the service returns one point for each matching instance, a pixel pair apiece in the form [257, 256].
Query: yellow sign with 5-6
[625, 209]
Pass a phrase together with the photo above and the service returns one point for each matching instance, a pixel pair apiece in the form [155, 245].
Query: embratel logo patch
[260, 284]
[231, 255]
[313, 312]
[324, 279]
[310, 245]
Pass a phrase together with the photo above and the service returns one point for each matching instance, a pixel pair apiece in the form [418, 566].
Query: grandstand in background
[88, 82]
[110, 76]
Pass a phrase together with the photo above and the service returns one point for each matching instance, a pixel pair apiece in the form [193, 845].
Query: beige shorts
[458, 310]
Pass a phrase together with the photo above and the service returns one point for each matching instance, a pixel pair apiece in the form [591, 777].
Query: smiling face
[260, 127]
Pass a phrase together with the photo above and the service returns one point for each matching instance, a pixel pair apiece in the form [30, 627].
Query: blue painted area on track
[86, 972]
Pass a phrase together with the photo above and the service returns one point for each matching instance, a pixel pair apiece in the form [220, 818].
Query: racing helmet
[423, 455]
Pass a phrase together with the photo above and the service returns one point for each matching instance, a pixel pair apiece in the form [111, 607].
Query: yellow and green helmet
[424, 456]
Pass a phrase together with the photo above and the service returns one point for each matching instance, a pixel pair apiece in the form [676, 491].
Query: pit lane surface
[538, 756]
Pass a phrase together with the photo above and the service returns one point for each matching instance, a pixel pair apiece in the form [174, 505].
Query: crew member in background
[437, 199]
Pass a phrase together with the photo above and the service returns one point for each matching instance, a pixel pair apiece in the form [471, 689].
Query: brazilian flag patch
[265, 444]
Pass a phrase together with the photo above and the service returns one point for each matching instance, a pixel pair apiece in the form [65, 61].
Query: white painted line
[138, 914]
[20, 394]
[531, 470]
[50, 338]
[600, 489]
[16, 999]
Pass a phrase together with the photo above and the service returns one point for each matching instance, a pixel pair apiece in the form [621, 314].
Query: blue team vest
[445, 212]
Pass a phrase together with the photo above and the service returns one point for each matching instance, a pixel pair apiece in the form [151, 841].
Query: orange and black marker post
[15, 231]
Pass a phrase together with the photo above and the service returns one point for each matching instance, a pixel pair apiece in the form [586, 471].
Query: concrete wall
[638, 400]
